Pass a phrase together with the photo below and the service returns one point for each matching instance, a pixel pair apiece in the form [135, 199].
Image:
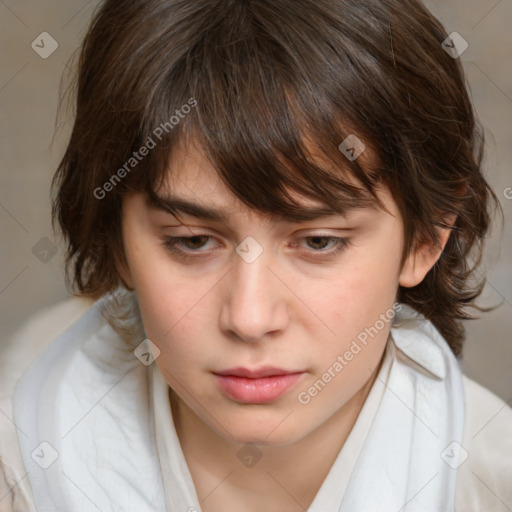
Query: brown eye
[185, 247]
[316, 241]
[320, 242]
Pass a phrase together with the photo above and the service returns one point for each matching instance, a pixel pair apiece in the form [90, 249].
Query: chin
[268, 430]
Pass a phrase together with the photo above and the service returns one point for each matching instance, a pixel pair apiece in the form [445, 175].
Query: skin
[294, 307]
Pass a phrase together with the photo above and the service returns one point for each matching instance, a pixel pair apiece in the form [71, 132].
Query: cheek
[172, 324]
[355, 296]
[170, 310]
[353, 344]
[163, 298]
[351, 305]
[175, 313]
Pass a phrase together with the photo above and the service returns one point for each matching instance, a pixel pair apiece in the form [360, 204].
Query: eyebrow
[173, 204]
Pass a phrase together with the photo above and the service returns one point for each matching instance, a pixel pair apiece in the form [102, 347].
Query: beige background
[29, 88]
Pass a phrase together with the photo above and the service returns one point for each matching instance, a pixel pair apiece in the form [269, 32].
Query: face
[244, 294]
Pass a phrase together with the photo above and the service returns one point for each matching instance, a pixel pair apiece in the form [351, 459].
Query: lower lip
[257, 391]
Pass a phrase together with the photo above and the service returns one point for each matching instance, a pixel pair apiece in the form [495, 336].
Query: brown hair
[260, 77]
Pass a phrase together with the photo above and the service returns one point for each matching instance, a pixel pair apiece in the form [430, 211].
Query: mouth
[256, 386]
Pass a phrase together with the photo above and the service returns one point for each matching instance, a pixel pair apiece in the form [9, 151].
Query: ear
[422, 258]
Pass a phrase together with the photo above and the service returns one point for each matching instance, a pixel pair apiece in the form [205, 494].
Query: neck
[284, 474]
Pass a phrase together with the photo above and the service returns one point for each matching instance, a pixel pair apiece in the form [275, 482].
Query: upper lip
[256, 373]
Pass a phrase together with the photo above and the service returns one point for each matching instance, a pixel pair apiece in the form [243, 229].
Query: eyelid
[200, 230]
[172, 243]
[327, 231]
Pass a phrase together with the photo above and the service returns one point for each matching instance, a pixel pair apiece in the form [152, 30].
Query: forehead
[193, 187]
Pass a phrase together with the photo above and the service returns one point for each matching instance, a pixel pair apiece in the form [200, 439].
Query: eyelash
[172, 243]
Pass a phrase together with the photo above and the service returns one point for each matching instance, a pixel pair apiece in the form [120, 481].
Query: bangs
[261, 119]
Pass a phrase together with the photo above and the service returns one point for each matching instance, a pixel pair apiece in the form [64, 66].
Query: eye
[196, 242]
[318, 242]
[315, 241]
[185, 247]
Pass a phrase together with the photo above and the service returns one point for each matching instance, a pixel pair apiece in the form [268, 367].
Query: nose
[256, 300]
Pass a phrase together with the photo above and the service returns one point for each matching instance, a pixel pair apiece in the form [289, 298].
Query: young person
[273, 211]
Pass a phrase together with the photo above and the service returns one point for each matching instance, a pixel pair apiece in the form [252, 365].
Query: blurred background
[37, 40]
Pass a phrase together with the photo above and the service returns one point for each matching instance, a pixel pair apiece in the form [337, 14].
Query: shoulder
[21, 350]
[34, 335]
[483, 479]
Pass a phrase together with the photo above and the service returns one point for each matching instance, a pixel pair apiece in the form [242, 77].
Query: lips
[267, 371]
[256, 386]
